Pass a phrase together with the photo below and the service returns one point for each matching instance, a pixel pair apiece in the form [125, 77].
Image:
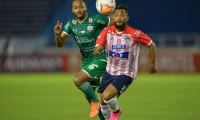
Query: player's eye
[123, 15]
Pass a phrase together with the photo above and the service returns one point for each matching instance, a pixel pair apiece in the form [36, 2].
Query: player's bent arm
[152, 52]
[61, 39]
[97, 50]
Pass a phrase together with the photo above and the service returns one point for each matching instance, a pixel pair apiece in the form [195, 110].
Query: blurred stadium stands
[26, 26]
[26, 17]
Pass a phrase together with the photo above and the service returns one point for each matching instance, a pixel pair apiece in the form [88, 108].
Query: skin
[121, 18]
[79, 9]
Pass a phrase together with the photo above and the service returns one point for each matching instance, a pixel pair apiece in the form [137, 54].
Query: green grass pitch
[53, 96]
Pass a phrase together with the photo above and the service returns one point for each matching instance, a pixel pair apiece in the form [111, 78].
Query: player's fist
[58, 28]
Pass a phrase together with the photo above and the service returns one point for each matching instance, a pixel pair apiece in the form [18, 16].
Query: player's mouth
[79, 14]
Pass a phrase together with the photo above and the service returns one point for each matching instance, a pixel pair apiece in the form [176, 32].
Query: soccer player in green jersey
[85, 29]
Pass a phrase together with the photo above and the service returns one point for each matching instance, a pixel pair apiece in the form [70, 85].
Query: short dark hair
[122, 6]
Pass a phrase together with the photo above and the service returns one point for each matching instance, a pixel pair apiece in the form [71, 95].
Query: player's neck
[118, 30]
[82, 18]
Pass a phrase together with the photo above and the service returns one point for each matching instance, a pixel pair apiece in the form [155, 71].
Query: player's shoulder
[132, 30]
[72, 21]
[128, 28]
[111, 27]
[92, 16]
[99, 16]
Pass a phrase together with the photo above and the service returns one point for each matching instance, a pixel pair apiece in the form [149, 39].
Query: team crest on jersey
[73, 21]
[90, 20]
[89, 28]
[137, 33]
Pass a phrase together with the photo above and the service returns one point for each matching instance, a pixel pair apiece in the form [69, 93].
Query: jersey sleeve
[102, 19]
[102, 38]
[67, 28]
[142, 38]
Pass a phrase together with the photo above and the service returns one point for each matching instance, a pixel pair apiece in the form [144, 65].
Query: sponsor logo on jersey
[73, 21]
[90, 20]
[82, 32]
[118, 46]
[119, 55]
[89, 28]
[101, 21]
[83, 39]
[75, 29]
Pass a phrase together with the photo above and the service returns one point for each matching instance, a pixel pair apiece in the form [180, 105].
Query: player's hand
[98, 50]
[58, 28]
[152, 69]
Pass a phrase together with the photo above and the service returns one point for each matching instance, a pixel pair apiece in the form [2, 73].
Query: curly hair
[122, 6]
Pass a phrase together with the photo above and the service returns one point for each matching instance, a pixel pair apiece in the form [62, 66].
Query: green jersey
[85, 34]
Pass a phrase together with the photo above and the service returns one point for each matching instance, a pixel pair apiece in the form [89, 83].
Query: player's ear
[127, 17]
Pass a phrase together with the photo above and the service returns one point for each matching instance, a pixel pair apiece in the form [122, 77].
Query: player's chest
[83, 29]
[124, 41]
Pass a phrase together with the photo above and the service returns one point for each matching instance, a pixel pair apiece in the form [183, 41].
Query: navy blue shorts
[120, 82]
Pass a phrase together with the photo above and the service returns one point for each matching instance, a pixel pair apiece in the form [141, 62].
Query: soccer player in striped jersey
[85, 29]
[122, 44]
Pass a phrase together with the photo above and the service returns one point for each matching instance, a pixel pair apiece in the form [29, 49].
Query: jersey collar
[84, 19]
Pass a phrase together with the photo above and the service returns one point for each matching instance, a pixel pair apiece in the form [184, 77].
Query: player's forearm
[59, 40]
[152, 51]
[97, 50]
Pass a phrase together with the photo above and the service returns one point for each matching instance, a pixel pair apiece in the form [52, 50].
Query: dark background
[38, 17]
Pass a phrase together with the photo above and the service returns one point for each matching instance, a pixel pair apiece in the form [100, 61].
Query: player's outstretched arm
[60, 38]
[152, 51]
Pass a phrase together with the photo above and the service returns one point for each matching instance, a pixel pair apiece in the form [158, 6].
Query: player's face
[79, 9]
[120, 18]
